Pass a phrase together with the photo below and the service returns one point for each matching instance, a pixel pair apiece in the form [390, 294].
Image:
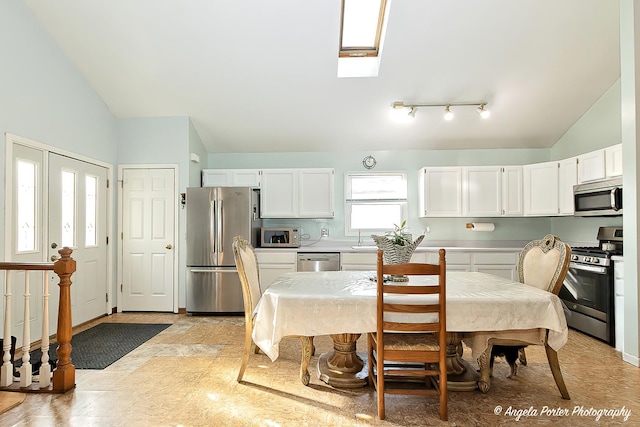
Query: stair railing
[64, 373]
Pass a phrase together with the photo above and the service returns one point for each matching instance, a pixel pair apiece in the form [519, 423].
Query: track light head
[412, 112]
[484, 113]
[448, 114]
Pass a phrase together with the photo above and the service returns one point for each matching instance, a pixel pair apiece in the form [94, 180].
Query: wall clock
[369, 162]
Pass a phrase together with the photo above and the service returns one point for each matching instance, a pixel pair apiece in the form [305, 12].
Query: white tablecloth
[334, 302]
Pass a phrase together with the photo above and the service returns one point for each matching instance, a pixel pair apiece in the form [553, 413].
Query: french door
[55, 200]
[77, 219]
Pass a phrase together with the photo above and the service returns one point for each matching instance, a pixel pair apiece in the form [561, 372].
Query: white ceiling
[261, 76]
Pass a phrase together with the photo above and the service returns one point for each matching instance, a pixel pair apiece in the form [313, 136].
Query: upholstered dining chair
[407, 353]
[247, 265]
[543, 264]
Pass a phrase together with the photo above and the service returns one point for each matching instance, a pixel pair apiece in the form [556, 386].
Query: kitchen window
[374, 202]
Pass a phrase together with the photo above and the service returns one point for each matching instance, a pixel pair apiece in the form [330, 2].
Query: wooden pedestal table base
[461, 376]
[343, 367]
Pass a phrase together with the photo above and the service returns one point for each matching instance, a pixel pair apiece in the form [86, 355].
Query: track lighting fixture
[406, 112]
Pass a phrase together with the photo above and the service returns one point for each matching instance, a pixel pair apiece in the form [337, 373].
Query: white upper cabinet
[613, 161]
[567, 178]
[540, 188]
[316, 193]
[512, 191]
[472, 191]
[591, 166]
[482, 191]
[231, 178]
[440, 191]
[297, 193]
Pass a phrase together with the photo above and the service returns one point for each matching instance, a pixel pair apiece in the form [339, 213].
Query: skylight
[361, 27]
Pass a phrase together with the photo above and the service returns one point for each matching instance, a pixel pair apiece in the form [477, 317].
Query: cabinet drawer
[508, 258]
[276, 257]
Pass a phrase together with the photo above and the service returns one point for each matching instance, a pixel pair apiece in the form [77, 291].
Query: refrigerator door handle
[212, 228]
[221, 227]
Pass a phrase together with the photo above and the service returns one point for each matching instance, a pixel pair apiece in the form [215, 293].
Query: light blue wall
[161, 140]
[409, 162]
[197, 147]
[598, 127]
[44, 98]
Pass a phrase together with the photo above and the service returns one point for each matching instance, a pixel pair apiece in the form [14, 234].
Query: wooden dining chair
[407, 353]
[247, 265]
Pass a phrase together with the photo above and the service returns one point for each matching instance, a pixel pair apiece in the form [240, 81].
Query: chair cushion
[539, 268]
[416, 342]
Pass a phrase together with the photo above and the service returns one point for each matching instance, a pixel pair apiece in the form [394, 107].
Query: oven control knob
[595, 260]
[574, 257]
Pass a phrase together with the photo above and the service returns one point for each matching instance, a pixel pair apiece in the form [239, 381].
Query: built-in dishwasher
[318, 261]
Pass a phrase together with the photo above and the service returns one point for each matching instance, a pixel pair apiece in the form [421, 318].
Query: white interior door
[78, 219]
[148, 241]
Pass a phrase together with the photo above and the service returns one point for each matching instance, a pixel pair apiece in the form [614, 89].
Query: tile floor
[186, 376]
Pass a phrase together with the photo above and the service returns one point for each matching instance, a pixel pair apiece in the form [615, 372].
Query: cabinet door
[591, 166]
[512, 191]
[216, 177]
[245, 178]
[506, 271]
[482, 191]
[441, 191]
[540, 188]
[231, 178]
[270, 272]
[279, 194]
[316, 193]
[567, 178]
[350, 261]
[613, 161]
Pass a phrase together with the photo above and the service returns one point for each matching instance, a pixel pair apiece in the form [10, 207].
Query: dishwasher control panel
[318, 261]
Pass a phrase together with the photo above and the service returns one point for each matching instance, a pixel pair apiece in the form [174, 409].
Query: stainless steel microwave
[279, 237]
[600, 198]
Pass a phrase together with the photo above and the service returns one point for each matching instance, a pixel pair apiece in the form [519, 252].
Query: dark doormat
[103, 344]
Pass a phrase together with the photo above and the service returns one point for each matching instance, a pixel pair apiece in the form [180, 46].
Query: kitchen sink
[364, 248]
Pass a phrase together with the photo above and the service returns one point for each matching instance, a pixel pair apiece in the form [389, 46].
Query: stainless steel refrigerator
[215, 215]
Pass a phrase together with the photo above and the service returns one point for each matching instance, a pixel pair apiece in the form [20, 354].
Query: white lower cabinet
[272, 264]
[502, 263]
[350, 261]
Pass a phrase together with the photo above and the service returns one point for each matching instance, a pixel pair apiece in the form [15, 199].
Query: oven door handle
[591, 268]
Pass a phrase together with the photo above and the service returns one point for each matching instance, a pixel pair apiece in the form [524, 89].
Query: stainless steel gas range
[588, 290]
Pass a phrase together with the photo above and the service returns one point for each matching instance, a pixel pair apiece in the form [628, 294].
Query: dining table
[480, 307]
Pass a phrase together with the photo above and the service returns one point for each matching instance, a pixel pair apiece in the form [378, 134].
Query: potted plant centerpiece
[397, 246]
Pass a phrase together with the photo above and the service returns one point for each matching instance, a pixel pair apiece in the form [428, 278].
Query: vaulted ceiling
[261, 76]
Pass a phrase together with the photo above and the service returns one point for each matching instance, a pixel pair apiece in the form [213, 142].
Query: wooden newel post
[64, 376]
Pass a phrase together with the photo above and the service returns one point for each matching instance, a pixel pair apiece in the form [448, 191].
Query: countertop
[425, 246]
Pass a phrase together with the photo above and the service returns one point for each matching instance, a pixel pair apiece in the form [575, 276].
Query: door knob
[54, 245]
[54, 257]
[169, 246]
